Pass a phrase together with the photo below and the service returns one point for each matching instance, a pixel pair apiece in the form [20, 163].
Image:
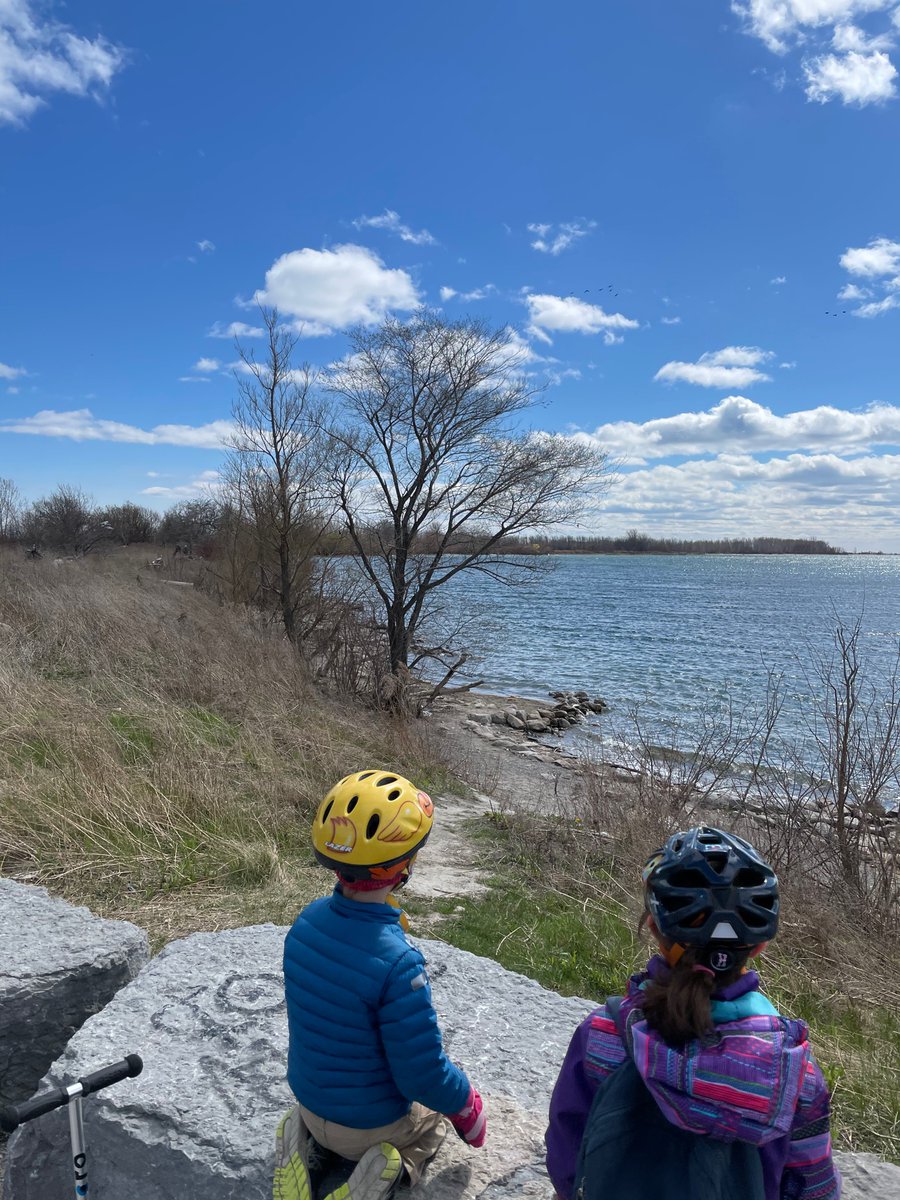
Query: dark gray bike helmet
[711, 889]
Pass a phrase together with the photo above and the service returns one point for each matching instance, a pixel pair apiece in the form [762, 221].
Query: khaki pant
[418, 1137]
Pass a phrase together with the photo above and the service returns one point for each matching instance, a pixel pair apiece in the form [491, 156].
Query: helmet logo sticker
[404, 825]
[343, 835]
[720, 960]
[425, 803]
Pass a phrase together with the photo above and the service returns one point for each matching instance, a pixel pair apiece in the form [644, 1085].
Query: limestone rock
[207, 1016]
[61, 964]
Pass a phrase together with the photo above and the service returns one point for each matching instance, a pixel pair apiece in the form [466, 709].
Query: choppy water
[682, 634]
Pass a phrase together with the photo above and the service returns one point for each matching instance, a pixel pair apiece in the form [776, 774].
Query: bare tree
[65, 520]
[432, 470]
[273, 476]
[10, 510]
[130, 523]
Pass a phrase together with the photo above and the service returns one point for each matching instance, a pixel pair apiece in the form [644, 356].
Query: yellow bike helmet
[371, 825]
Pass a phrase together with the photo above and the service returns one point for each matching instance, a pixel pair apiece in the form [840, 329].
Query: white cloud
[202, 485]
[879, 263]
[856, 78]
[779, 23]
[857, 71]
[671, 320]
[390, 221]
[206, 246]
[568, 232]
[39, 57]
[738, 424]
[237, 329]
[778, 280]
[880, 257]
[206, 364]
[11, 372]
[331, 289]
[567, 314]
[447, 293]
[80, 425]
[733, 366]
[193, 379]
[13, 391]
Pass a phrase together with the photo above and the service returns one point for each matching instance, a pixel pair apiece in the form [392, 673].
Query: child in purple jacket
[714, 1053]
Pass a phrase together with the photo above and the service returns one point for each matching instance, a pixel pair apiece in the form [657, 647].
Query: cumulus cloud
[567, 233]
[206, 364]
[11, 372]
[193, 379]
[858, 79]
[671, 320]
[39, 57]
[738, 424]
[390, 221]
[206, 246]
[733, 366]
[778, 280]
[879, 264]
[325, 290]
[849, 502]
[80, 425]
[853, 65]
[568, 314]
[236, 329]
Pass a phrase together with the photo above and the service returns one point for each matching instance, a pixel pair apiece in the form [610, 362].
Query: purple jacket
[758, 1084]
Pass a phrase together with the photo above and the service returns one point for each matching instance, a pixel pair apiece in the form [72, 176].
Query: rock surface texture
[208, 1017]
[60, 965]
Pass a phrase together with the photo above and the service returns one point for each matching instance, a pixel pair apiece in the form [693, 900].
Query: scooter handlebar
[14, 1115]
[130, 1066]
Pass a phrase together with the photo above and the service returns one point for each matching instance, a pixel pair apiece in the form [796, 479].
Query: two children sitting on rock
[690, 1087]
[365, 1059]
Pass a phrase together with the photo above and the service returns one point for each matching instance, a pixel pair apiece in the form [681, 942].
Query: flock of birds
[605, 288]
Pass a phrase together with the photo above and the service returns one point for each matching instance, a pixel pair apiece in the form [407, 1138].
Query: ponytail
[678, 1008]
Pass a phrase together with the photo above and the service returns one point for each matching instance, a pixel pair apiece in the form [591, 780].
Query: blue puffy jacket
[364, 1037]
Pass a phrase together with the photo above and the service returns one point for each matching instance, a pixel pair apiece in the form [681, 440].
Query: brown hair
[678, 1008]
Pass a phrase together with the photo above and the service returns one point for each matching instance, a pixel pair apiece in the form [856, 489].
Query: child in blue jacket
[365, 1058]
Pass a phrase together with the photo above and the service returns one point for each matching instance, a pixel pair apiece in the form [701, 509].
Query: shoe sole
[374, 1179]
[291, 1179]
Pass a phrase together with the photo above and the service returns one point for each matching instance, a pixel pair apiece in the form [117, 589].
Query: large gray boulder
[208, 1017]
[58, 966]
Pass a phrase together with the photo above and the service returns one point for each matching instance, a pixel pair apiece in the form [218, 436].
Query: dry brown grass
[160, 754]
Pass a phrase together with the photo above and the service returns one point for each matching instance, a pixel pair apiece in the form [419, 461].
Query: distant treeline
[641, 543]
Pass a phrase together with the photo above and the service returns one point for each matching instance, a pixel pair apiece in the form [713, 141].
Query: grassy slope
[161, 756]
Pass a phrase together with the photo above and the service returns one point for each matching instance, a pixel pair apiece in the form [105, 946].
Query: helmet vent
[718, 862]
[372, 827]
[395, 794]
[754, 920]
[689, 878]
[326, 811]
[365, 775]
[352, 803]
[386, 780]
[747, 877]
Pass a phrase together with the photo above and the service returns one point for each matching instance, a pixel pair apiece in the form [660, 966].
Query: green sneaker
[292, 1159]
[374, 1177]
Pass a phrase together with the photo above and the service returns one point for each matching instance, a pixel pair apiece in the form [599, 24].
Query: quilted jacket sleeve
[570, 1104]
[809, 1172]
[412, 1040]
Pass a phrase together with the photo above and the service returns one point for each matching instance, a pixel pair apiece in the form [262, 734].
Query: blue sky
[664, 201]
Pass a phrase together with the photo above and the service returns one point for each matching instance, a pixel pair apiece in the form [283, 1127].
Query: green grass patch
[136, 742]
[211, 728]
[39, 751]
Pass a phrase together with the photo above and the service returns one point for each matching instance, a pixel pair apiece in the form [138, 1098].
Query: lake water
[679, 634]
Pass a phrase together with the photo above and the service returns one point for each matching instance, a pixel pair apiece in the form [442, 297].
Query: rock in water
[208, 1017]
[60, 965]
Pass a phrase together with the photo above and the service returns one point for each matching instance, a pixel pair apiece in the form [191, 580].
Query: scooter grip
[130, 1066]
[14, 1115]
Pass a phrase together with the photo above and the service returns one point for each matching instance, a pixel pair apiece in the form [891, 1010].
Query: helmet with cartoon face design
[371, 825]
